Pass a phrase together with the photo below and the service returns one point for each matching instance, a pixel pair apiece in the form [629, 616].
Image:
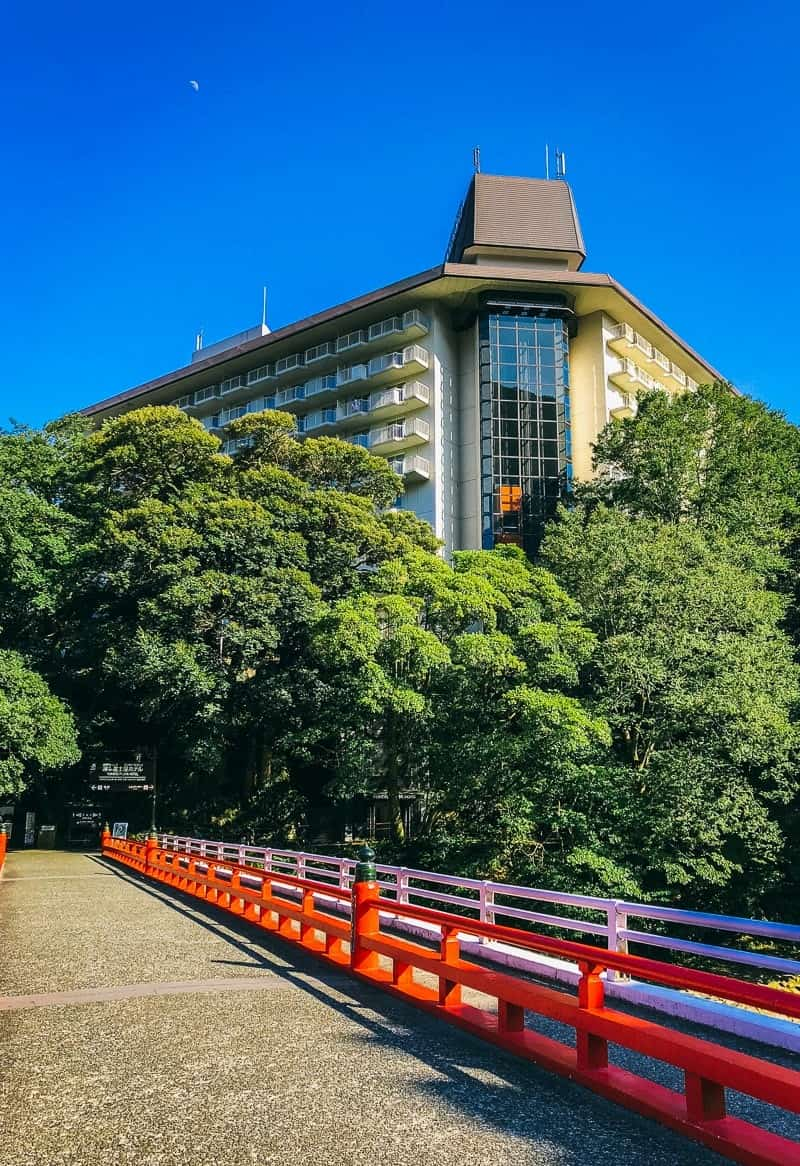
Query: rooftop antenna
[476, 159]
[264, 308]
[198, 340]
[561, 164]
[546, 161]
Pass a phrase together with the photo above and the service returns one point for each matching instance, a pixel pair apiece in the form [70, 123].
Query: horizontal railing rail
[431, 974]
[488, 901]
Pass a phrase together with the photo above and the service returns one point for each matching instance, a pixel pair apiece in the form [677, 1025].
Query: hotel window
[525, 449]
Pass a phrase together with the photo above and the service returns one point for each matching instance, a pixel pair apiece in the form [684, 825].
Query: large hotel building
[484, 380]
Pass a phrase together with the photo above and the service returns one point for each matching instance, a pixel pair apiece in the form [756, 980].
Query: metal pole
[153, 797]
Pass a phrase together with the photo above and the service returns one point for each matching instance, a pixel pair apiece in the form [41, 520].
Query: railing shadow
[560, 1123]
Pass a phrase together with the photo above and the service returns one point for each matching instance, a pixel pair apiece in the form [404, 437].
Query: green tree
[697, 680]
[37, 732]
[712, 458]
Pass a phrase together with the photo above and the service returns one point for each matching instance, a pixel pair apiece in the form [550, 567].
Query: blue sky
[328, 147]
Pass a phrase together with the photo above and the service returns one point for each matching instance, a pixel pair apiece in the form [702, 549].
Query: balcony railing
[351, 340]
[404, 398]
[231, 385]
[623, 338]
[288, 363]
[353, 408]
[320, 351]
[263, 373]
[320, 419]
[414, 467]
[400, 435]
[319, 385]
[629, 374]
[625, 407]
[287, 396]
[209, 393]
[351, 373]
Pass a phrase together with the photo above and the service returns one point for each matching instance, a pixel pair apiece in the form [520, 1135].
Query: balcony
[289, 396]
[403, 399]
[288, 363]
[262, 373]
[351, 340]
[354, 408]
[209, 393]
[413, 467]
[398, 436]
[622, 406]
[321, 419]
[629, 376]
[232, 385]
[396, 365]
[359, 439]
[184, 402]
[351, 374]
[320, 351]
[232, 414]
[317, 386]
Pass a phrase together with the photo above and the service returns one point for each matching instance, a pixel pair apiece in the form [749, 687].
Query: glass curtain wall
[525, 447]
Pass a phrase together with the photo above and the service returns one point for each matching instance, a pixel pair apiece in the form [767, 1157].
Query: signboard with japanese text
[131, 770]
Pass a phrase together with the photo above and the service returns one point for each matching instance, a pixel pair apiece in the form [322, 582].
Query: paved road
[140, 1026]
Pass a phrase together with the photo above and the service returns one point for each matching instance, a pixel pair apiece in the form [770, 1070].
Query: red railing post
[235, 902]
[510, 1017]
[105, 838]
[264, 911]
[365, 919]
[592, 1051]
[150, 847]
[3, 843]
[449, 952]
[705, 1100]
[306, 930]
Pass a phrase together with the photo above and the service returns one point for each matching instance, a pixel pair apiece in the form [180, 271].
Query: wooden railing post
[365, 920]
[705, 1100]
[105, 838]
[150, 846]
[449, 952]
[3, 843]
[592, 1050]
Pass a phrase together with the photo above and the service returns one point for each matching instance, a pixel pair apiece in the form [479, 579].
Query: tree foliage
[619, 717]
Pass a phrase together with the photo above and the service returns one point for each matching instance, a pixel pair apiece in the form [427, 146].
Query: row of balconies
[385, 440]
[381, 403]
[625, 339]
[385, 402]
[380, 370]
[409, 324]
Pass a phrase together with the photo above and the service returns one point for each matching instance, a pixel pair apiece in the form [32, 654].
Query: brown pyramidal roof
[520, 213]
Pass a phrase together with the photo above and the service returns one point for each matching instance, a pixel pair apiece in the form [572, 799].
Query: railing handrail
[656, 971]
[617, 912]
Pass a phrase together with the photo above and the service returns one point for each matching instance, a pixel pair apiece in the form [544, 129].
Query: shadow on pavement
[567, 1124]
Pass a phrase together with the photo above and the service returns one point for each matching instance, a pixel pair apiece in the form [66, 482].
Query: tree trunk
[397, 831]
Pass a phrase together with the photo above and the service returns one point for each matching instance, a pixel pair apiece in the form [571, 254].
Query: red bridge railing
[309, 913]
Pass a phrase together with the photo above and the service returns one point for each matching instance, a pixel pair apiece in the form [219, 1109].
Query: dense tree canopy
[619, 717]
